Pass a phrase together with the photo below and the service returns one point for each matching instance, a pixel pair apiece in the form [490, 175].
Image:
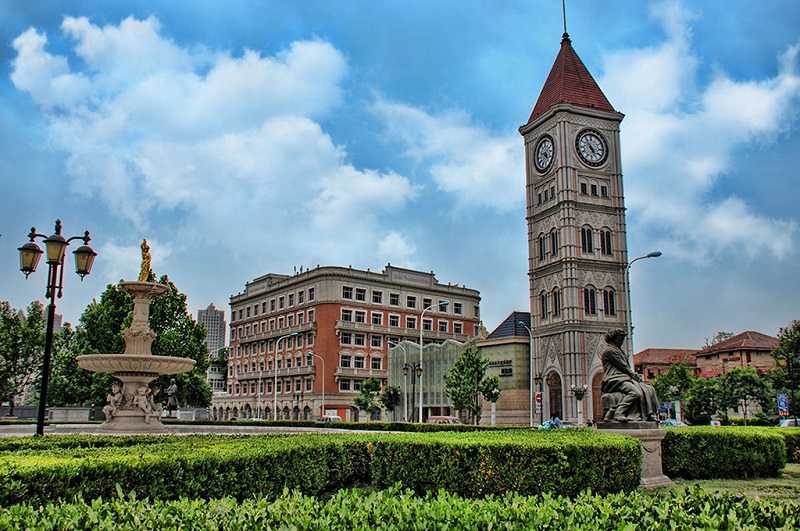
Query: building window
[375, 364]
[272, 305]
[546, 196]
[264, 307]
[361, 294]
[300, 296]
[584, 189]
[272, 324]
[300, 318]
[248, 311]
[604, 191]
[411, 322]
[552, 192]
[605, 242]
[291, 299]
[359, 340]
[279, 386]
[610, 301]
[361, 316]
[271, 345]
[346, 338]
[290, 320]
[288, 363]
[346, 361]
[377, 318]
[377, 297]
[587, 245]
[280, 323]
[394, 320]
[280, 303]
[347, 292]
[394, 299]
[427, 325]
[310, 316]
[411, 301]
[376, 341]
[299, 341]
[542, 248]
[594, 190]
[539, 198]
[457, 308]
[310, 340]
[544, 302]
[347, 315]
[442, 326]
[589, 301]
[554, 242]
[556, 303]
[458, 328]
[310, 294]
[344, 385]
[309, 386]
[358, 362]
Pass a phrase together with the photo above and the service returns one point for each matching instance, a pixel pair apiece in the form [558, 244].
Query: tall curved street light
[275, 386]
[29, 255]
[534, 370]
[322, 408]
[654, 254]
[440, 305]
[405, 378]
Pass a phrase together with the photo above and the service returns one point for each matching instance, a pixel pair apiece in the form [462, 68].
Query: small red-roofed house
[652, 361]
[748, 349]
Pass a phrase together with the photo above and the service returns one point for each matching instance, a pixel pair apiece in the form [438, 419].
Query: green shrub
[792, 438]
[703, 452]
[399, 509]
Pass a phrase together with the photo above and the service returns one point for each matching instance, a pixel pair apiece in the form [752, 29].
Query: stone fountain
[131, 407]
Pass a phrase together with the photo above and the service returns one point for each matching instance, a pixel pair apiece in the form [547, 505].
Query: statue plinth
[132, 408]
[652, 469]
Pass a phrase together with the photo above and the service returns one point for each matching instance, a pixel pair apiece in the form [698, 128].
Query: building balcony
[275, 334]
[305, 370]
[350, 372]
[410, 333]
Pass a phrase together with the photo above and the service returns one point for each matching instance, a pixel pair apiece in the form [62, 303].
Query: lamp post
[654, 254]
[534, 370]
[275, 386]
[440, 305]
[416, 372]
[579, 393]
[258, 405]
[322, 409]
[539, 380]
[29, 255]
[405, 379]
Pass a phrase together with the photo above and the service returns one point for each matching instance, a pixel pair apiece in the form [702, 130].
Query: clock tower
[577, 250]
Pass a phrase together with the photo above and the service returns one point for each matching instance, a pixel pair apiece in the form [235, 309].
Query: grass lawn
[785, 488]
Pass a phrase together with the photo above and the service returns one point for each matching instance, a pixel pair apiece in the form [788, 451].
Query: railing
[353, 372]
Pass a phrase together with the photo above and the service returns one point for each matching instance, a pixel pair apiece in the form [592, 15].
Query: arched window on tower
[589, 301]
[605, 242]
[554, 242]
[544, 301]
[610, 301]
[587, 245]
[556, 302]
[542, 247]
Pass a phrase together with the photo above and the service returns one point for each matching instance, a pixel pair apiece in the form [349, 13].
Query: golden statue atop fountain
[146, 260]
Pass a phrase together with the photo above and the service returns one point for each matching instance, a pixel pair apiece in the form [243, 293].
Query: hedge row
[792, 438]
[400, 509]
[209, 467]
[704, 452]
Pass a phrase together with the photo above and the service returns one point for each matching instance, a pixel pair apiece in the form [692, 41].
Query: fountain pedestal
[131, 407]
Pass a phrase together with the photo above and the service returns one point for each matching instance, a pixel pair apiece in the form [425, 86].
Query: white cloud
[394, 249]
[464, 160]
[680, 141]
[224, 148]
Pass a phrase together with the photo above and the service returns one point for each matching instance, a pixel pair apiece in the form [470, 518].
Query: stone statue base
[131, 422]
[652, 469]
[637, 425]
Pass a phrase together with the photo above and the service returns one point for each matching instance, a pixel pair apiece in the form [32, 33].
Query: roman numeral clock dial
[544, 152]
[592, 147]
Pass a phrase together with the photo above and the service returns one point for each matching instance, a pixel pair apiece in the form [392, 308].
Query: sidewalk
[25, 430]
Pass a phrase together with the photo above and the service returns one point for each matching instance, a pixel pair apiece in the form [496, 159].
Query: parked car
[440, 419]
[787, 423]
[672, 423]
[330, 418]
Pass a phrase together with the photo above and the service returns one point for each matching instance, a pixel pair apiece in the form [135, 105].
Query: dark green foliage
[792, 438]
[704, 452]
[465, 384]
[396, 508]
[21, 350]
[369, 396]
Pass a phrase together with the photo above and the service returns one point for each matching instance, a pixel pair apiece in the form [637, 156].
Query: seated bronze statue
[625, 397]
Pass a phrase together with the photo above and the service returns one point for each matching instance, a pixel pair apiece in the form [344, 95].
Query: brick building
[327, 329]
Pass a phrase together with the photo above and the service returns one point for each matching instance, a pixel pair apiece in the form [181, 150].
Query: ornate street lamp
[442, 305]
[654, 254]
[275, 387]
[405, 378]
[579, 393]
[29, 255]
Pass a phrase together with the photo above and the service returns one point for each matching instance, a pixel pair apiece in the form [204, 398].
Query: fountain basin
[135, 364]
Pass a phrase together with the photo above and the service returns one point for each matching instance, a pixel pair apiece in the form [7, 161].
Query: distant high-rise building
[214, 321]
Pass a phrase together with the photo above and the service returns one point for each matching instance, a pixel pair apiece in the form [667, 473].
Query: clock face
[592, 147]
[544, 153]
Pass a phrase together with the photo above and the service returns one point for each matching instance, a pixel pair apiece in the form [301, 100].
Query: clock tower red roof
[569, 82]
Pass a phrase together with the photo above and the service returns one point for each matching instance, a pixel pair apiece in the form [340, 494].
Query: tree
[700, 402]
[465, 384]
[100, 332]
[390, 398]
[21, 350]
[368, 396]
[674, 383]
[787, 357]
[740, 386]
[718, 338]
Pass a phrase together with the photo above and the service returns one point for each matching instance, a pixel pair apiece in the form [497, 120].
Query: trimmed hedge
[207, 467]
[397, 509]
[792, 438]
[704, 452]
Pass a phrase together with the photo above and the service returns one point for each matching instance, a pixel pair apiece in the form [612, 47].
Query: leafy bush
[395, 508]
[704, 452]
[792, 438]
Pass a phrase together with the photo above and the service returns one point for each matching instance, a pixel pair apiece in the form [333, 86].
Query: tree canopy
[465, 384]
[368, 396]
[21, 350]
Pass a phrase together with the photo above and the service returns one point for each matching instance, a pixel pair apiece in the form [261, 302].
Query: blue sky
[248, 137]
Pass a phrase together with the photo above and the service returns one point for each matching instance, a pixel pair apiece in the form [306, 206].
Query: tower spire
[564, 16]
